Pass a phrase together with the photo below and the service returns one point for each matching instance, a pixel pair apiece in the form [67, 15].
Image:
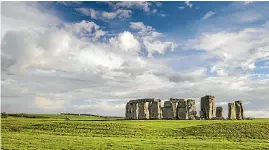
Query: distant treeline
[22, 115]
[89, 115]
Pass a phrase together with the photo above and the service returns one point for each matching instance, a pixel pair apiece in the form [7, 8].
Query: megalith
[155, 109]
[208, 109]
[182, 111]
[143, 110]
[239, 110]
[134, 109]
[219, 112]
[128, 111]
[168, 110]
[191, 109]
[231, 111]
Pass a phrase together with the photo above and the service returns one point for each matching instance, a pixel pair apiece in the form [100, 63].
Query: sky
[93, 57]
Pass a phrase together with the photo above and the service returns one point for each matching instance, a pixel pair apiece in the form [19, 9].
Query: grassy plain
[93, 132]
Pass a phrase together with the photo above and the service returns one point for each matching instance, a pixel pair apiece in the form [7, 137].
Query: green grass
[93, 132]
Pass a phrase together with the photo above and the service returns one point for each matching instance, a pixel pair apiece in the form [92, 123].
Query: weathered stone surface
[143, 110]
[208, 108]
[132, 111]
[231, 111]
[167, 110]
[140, 109]
[182, 111]
[191, 108]
[174, 109]
[155, 110]
[128, 111]
[176, 100]
[219, 112]
[145, 100]
[239, 110]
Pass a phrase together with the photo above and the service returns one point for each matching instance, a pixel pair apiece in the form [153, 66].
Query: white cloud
[208, 15]
[104, 15]
[188, 4]
[152, 39]
[88, 12]
[122, 13]
[247, 2]
[154, 11]
[132, 4]
[158, 4]
[162, 14]
[181, 7]
[68, 3]
[247, 16]
[219, 71]
[126, 42]
[236, 49]
[109, 15]
[29, 11]
[86, 29]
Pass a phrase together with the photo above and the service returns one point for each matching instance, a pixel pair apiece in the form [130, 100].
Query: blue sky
[92, 57]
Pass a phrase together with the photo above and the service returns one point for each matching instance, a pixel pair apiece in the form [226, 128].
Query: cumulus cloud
[148, 7]
[88, 12]
[247, 2]
[69, 3]
[126, 42]
[86, 29]
[188, 4]
[132, 4]
[236, 49]
[29, 11]
[104, 15]
[208, 15]
[152, 39]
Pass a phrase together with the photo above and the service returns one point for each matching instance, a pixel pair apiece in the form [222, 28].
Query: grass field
[93, 132]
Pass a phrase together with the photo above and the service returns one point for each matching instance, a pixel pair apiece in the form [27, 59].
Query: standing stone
[239, 110]
[134, 110]
[231, 111]
[128, 111]
[143, 110]
[219, 112]
[168, 110]
[191, 108]
[155, 110]
[182, 110]
[174, 102]
[208, 107]
[174, 109]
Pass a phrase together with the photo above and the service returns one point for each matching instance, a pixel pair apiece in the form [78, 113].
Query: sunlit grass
[93, 132]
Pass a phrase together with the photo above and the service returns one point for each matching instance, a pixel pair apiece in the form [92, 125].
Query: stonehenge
[148, 108]
[191, 109]
[181, 109]
[208, 109]
[231, 111]
[219, 112]
[167, 110]
[239, 110]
